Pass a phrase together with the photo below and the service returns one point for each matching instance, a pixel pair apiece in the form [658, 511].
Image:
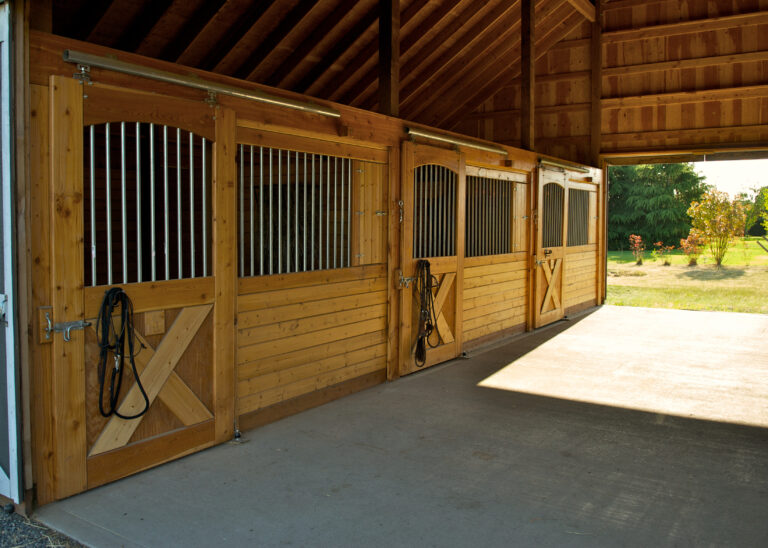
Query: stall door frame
[449, 270]
[10, 476]
[549, 262]
[73, 469]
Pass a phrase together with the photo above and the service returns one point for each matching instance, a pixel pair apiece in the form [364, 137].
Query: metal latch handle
[63, 327]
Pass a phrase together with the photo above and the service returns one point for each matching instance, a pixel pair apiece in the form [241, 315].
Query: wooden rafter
[234, 34]
[142, 24]
[584, 7]
[686, 27]
[491, 80]
[417, 76]
[270, 42]
[410, 40]
[722, 94]
[193, 26]
[88, 18]
[323, 28]
[339, 48]
[367, 53]
[663, 66]
[596, 87]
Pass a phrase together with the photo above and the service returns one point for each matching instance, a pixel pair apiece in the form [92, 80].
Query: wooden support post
[393, 264]
[225, 273]
[68, 386]
[527, 58]
[596, 116]
[389, 57]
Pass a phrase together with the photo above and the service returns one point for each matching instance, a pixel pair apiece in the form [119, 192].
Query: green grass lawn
[740, 285]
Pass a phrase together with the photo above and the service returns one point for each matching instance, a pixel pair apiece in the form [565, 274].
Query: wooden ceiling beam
[619, 4]
[339, 48]
[88, 18]
[417, 76]
[389, 57]
[663, 66]
[635, 139]
[462, 82]
[493, 78]
[584, 7]
[287, 24]
[233, 35]
[135, 31]
[408, 41]
[370, 49]
[323, 28]
[190, 30]
[527, 74]
[596, 87]
[675, 98]
[686, 27]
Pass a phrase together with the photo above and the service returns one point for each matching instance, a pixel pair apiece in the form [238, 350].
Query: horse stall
[279, 251]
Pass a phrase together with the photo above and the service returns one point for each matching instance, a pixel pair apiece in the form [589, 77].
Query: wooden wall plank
[68, 394]
[527, 74]
[225, 273]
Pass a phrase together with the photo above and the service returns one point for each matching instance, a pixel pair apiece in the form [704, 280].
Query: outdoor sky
[735, 176]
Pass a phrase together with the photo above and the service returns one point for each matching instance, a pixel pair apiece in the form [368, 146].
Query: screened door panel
[551, 233]
[432, 230]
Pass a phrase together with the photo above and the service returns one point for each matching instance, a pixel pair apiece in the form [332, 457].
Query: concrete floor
[488, 452]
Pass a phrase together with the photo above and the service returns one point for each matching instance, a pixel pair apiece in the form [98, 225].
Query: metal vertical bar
[287, 211]
[252, 236]
[341, 216]
[349, 212]
[320, 214]
[335, 209]
[328, 212]
[178, 203]
[138, 203]
[123, 204]
[428, 204]
[304, 232]
[92, 148]
[108, 158]
[153, 239]
[312, 219]
[271, 207]
[204, 210]
[279, 211]
[423, 228]
[296, 220]
[191, 205]
[242, 213]
[261, 211]
[165, 204]
[444, 207]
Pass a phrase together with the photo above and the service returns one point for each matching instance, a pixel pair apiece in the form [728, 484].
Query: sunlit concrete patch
[704, 365]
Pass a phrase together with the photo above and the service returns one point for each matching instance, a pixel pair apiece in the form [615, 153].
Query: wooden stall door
[433, 194]
[551, 237]
[173, 298]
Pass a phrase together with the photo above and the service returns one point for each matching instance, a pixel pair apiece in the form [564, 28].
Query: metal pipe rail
[86, 59]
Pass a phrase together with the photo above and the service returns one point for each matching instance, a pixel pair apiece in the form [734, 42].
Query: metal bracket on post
[212, 99]
[83, 74]
[63, 327]
[402, 281]
[401, 204]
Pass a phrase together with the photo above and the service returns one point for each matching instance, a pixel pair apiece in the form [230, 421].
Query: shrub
[719, 220]
[638, 247]
[661, 252]
[692, 246]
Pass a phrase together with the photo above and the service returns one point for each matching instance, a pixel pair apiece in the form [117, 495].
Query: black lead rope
[112, 341]
[425, 283]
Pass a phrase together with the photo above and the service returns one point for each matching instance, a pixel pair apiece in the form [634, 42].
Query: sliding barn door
[433, 190]
[133, 202]
[551, 236]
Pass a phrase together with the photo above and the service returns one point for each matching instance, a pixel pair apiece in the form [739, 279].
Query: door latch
[63, 327]
[401, 204]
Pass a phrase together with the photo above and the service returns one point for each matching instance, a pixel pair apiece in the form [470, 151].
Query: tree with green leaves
[651, 201]
[756, 208]
[719, 220]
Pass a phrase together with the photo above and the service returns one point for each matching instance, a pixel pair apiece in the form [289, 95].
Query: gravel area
[16, 530]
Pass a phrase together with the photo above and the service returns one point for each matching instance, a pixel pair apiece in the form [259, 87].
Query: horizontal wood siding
[580, 277]
[494, 296]
[300, 339]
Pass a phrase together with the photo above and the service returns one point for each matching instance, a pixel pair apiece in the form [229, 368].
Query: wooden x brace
[552, 276]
